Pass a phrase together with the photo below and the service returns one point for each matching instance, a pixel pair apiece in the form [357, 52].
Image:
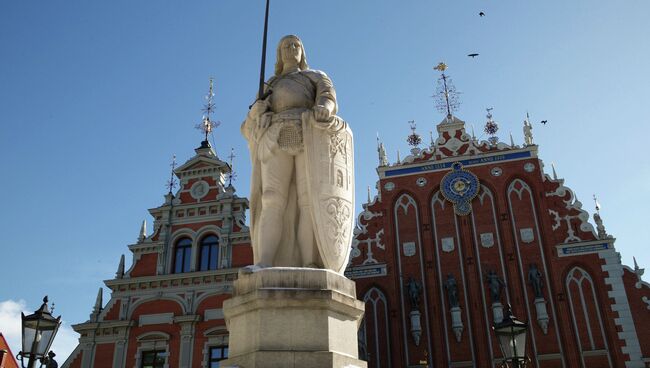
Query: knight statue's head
[290, 50]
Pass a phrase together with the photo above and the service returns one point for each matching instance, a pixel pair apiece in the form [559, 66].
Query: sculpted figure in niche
[535, 280]
[452, 290]
[494, 285]
[414, 290]
[301, 205]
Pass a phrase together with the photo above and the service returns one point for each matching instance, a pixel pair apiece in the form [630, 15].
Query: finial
[171, 183]
[94, 316]
[120, 268]
[512, 141]
[638, 272]
[143, 231]
[432, 142]
[491, 127]
[596, 204]
[381, 151]
[446, 97]
[207, 125]
[554, 173]
[368, 194]
[398, 159]
[231, 175]
[414, 139]
[473, 135]
[52, 308]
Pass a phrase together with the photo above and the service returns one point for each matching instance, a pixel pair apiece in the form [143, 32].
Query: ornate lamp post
[39, 330]
[511, 334]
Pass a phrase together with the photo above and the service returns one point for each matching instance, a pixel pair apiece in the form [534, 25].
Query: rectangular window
[153, 359]
[217, 354]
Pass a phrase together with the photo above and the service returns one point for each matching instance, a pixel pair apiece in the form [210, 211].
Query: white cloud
[10, 326]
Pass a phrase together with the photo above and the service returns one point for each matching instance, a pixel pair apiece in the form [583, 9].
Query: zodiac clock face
[460, 187]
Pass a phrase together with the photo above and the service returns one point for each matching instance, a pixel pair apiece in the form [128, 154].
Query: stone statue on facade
[414, 290]
[495, 285]
[303, 171]
[528, 132]
[535, 280]
[452, 290]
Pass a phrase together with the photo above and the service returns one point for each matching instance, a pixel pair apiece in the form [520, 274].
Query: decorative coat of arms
[527, 235]
[460, 187]
[331, 185]
[448, 244]
[409, 249]
[487, 240]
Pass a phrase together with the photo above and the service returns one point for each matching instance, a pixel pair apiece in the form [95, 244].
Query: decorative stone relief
[199, 189]
[448, 244]
[529, 167]
[646, 300]
[496, 171]
[389, 186]
[421, 182]
[527, 235]
[409, 249]
[487, 240]
[542, 314]
[416, 327]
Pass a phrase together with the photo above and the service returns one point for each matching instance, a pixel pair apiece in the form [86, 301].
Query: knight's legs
[276, 175]
[306, 239]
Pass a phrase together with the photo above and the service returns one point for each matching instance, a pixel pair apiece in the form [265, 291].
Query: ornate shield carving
[329, 157]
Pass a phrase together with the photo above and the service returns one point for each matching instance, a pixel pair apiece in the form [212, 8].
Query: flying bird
[481, 14]
[472, 55]
[544, 122]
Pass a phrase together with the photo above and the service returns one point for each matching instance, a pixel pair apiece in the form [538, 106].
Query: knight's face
[291, 51]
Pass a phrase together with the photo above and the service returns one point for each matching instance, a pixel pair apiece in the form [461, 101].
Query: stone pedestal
[293, 317]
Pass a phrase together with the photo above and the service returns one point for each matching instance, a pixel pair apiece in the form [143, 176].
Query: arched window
[183, 255]
[209, 253]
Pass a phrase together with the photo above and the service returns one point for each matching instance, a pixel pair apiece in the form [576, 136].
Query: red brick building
[7, 359]
[165, 310]
[435, 274]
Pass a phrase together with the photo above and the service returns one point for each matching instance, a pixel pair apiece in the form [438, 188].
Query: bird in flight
[472, 55]
[544, 122]
[481, 14]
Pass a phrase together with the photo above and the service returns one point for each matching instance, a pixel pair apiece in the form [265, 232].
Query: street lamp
[39, 330]
[511, 334]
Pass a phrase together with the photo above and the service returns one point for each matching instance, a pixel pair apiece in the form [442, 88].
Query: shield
[329, 158]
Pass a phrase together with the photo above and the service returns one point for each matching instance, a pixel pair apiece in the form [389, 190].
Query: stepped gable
[166, 305]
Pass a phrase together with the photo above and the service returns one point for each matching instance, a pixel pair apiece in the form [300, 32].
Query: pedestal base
[293, 317]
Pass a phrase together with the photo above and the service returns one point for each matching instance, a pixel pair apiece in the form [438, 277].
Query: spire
[94, 316]
[600, 228]
[528, 131]
[473, 135]
[231, 175]
[383, 160]
[446, 97]
[512, 141]
[554, 173]
[368, 194]
[398, 159]
[143, 231]
[414, 139]
[120, 268]
[171, 183]
[206, 126]
[491, 127]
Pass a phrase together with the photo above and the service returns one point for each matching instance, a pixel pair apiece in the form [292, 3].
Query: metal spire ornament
[446, 96]
[171, 183]
[414, 139]
[491, 127]
[232, 175]
[207, 125]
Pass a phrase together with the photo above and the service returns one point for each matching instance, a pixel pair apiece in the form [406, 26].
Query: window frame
[184, 244]
[210, 360]
[213, 250]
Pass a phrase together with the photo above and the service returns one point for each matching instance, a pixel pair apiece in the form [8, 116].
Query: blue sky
[95, 97]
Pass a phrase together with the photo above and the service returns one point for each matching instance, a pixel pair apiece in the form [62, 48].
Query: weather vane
[207, 125]
[171, 183]
[232, 175]
[446, 96]
[491, 127]
[597, 204]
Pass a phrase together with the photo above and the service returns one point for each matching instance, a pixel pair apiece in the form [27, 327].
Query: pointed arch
[374, 336]
[588, 327]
